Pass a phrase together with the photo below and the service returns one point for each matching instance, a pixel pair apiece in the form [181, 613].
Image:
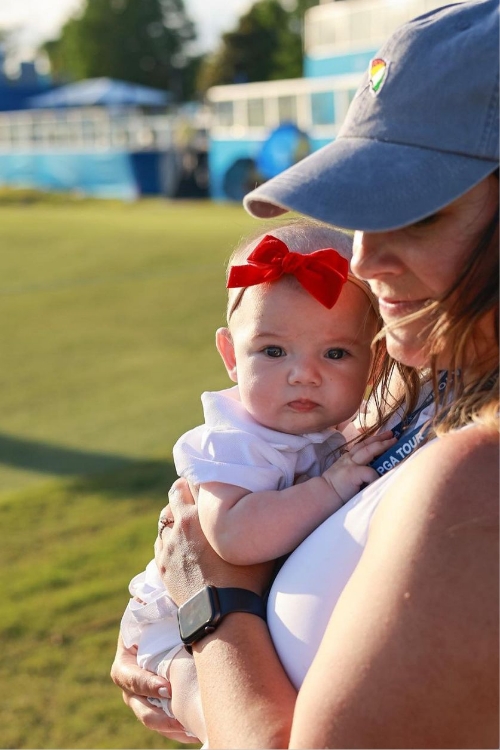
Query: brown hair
[452, 324]
[473, 296]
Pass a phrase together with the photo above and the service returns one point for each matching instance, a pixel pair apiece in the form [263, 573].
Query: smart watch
[202, 613]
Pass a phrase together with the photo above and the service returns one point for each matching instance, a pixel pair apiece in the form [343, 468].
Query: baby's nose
[305, 372]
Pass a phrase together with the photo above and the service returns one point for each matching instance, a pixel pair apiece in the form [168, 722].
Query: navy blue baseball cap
[421, 130]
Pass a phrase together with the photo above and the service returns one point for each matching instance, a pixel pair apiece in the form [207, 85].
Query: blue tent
[105, 92]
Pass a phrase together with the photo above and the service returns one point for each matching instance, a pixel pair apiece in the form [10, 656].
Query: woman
[384, 622]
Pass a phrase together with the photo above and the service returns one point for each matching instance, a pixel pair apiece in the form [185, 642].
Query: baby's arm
[250, 527]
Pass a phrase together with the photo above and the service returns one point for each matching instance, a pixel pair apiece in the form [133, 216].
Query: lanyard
[407, 441]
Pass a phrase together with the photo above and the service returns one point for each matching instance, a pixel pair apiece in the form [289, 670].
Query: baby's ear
[225, 347]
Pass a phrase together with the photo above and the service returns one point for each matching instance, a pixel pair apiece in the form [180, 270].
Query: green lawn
[108, 316]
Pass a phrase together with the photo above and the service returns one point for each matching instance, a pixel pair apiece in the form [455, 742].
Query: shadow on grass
[46, 458]
[112, 474]
[152, 478]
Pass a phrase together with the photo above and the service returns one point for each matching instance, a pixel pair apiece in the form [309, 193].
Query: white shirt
[232, 448]
[308, 586]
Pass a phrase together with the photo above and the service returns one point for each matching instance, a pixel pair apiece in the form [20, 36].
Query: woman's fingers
[180, 498]
[166, 519]
[131, 678]
[155, 718]
[185, 559]
[137, 685]
[180, 495]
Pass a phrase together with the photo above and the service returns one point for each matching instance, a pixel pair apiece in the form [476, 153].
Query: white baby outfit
[232, 448]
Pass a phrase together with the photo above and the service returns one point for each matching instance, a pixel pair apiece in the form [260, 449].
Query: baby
[298, 346]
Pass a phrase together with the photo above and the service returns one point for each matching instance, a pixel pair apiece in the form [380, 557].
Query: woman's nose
[372, 255]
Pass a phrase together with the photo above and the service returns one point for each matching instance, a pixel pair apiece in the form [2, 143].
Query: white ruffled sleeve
[232, 457]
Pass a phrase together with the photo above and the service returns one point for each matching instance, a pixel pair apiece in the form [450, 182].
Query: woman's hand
[137, 685]
[186, 560]
[247, 698]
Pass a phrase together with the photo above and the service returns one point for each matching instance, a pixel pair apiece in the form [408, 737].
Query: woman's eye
[426, 221]
[274, 351]
[336, 353]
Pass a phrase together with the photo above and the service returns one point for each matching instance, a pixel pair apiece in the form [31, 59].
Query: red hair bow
[322, 273]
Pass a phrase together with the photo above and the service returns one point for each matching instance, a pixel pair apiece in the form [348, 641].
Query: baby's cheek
[355, 390]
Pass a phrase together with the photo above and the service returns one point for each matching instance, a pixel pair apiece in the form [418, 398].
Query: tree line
[150, 42]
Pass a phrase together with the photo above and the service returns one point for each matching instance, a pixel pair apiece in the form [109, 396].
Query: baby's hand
[350, 471]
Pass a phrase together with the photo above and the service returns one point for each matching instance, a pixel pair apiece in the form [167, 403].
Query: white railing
[93, 128]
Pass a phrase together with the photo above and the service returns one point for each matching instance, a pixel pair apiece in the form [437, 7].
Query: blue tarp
[101, 91]
[102, 175]
[108, 174]
[285, 146]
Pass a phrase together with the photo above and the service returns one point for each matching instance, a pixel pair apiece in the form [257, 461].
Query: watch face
[195, 614]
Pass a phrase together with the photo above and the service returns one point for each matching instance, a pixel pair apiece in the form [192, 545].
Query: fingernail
[164, 693]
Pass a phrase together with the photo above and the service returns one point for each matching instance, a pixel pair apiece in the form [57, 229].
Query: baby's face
[300, 367]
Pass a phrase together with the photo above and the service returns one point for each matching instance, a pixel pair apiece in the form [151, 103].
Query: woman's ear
[225, 347]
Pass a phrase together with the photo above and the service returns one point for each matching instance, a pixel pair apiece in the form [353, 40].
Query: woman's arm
[226, 662]
[409, 658]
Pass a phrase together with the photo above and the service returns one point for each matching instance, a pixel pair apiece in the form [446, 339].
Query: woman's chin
[403, 348]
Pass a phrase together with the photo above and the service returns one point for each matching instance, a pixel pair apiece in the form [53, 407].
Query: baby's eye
[274, 351]
[336, 353]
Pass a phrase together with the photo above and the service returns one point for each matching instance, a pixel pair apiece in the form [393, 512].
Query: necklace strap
[408, 440]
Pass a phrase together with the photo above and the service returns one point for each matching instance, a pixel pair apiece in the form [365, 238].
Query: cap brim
[359, 183]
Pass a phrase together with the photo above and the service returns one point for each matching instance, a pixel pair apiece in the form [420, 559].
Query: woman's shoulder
[421, 605]
[439, 519]
[457, 472]
[443, 508]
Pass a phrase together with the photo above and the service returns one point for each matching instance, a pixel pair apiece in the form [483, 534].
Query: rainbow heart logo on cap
[378, 74]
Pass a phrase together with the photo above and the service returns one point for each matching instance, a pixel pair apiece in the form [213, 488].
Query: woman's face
[410, 267]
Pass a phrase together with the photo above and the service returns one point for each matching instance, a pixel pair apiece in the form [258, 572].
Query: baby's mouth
[302, 405]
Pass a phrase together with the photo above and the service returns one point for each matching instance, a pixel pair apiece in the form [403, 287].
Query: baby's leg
[186, 702]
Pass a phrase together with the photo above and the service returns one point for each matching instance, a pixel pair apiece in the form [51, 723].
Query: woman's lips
[394, 308]
[302, 405]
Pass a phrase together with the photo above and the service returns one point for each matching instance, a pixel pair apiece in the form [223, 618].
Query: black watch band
[203, 612]
[240, 600]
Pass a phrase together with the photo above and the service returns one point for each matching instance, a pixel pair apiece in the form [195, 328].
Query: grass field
[108, 317]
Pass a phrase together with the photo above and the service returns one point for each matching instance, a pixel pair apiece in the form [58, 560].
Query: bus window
[322, 108]
[255, 113]
[287, 109]
[224, 115]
